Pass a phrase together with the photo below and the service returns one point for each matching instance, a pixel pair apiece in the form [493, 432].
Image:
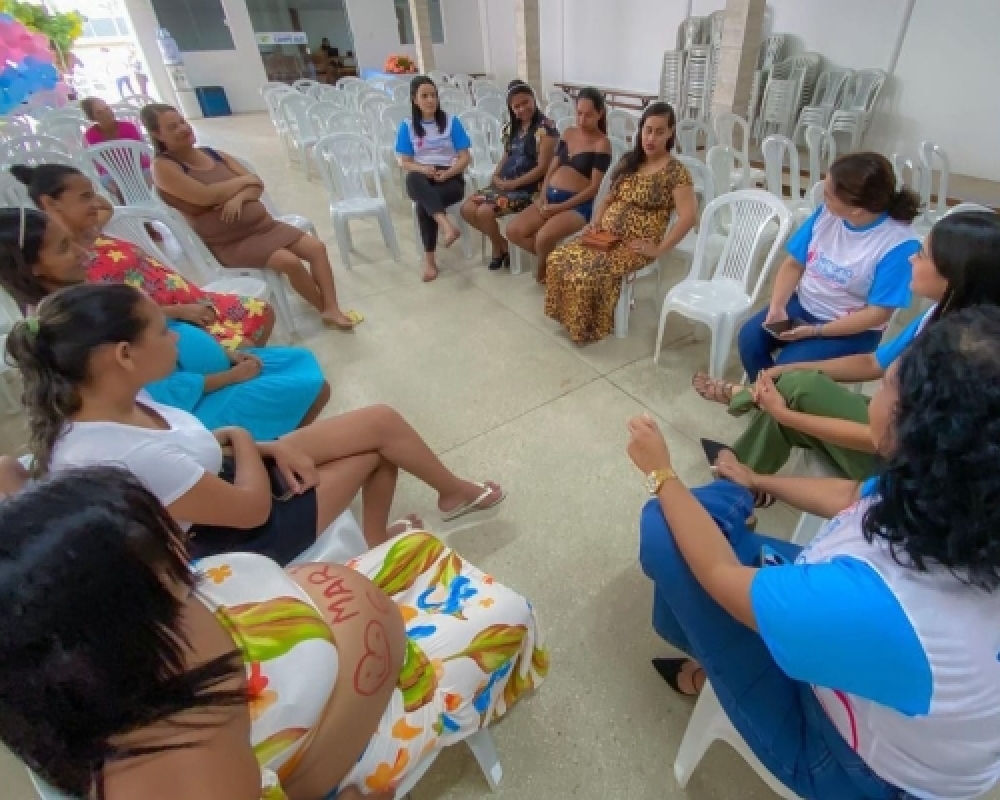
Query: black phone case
[712, 450]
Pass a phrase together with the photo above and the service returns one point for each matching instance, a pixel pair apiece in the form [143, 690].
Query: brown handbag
[600, 240]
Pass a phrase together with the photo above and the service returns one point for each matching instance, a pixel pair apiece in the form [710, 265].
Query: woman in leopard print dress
[647, 186]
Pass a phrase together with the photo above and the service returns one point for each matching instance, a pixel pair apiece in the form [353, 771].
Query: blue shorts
[586, 210]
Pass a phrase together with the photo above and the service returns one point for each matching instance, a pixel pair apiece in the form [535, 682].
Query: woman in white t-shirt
[84, 360]
[865, 666]
[847, 271]
[433, 150]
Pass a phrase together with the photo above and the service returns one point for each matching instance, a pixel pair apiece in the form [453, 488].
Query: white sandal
[473, 505]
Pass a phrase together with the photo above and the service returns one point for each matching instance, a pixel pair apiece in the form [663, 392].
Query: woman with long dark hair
[847, 271]
[433, 150]
[529, 141]
[647, 186]
[566, 200]
[222, 203]
[807, 404]
[864, 666]
[126, 673]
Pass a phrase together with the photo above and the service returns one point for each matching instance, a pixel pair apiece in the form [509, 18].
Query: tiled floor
[500, 392]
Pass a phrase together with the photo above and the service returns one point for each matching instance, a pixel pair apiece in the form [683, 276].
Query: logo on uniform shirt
[830, 271]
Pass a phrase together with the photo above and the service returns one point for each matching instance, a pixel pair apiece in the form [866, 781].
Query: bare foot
[451, 236]
[411, 522]
[336, 318]
[430, 273]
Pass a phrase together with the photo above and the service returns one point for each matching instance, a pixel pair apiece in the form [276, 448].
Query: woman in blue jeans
[865, 665]
[847, 271]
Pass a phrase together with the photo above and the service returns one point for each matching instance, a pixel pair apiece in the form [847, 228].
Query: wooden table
[620, 98]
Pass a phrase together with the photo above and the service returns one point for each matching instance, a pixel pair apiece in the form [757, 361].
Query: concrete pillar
[420, 15]
[741, 39]
[529, 43]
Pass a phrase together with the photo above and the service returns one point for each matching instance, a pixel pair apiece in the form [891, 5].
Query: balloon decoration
[25, 64]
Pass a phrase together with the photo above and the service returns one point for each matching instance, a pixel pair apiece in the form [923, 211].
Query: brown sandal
[714, 389]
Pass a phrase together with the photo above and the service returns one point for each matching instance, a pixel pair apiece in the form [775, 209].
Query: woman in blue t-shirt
[807, 404]
[433, 150]
[847, 271]
[864, 666]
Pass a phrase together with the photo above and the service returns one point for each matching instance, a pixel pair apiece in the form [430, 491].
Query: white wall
[500, 33]
[376, 35]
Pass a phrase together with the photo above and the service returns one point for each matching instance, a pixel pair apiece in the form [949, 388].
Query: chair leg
[623, 308]
[343, 231]
[282, 308]
[698, 735]
[483, 748]
[719, 352]
[388, 232]
[662, 329]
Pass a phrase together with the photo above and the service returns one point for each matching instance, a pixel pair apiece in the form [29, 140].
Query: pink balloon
[15, 55]
[3, 52]
[9, 33]
[25, 41]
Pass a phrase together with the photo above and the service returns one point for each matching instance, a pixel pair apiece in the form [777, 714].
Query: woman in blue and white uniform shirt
[868, 664]
[433, 150]
[847, 271]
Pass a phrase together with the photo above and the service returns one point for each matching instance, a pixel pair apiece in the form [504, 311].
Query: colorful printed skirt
[504, 203]
[473, 650]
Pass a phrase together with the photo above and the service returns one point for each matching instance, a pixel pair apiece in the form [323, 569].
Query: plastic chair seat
[707, 300]
[241, 285]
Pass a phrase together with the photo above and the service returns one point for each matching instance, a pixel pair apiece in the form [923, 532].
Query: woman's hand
[501, 184]
[225, 436]
[644, 247]
[728, 466]
[646, 446]
[232, 209]
[196, 314]
[245, 367]
[767, 397]
[798, 333]
[775, 315]
[297, 468]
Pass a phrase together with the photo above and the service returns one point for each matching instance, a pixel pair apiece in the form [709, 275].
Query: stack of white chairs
[371, 108]
[829, 92]
[122, 160]
[720, 296]
[294, 108]
[400, 94]
[777, 109]
[344, 161]
[691, 133]
[439, 77]
[69, 129]
[454, 101]
[487, 147]
[672, 77]
[934, 160]
[303, 85]
[776, 150]
[495, 107]
[559, 108]
[319, 115]
[272, 98]
[854, 115]
[822, 148]
[697, 80]
[480, 84]
[623, 124]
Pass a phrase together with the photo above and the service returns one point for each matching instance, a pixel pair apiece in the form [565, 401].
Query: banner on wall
[291, 37]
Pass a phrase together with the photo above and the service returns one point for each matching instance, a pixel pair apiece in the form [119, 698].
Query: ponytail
[904, 205]
[53, 353]
[45, 180]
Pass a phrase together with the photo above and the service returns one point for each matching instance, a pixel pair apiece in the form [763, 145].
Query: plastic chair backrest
[817, 195]
[776, 149]
[126, 113]
[137, 101]
[731, 127]
[830, 87]
[724, 161]
[69, 130]
[393, 116]
[454, 101]
[315, 92]
[344, 160]
[11, 128]
[319, 114]
[553, 95]
[560, 108]
[266, 87]
[931, 156]
[908, 174]
[347, 122]
[690, 132]
[304, 84]
[122, 159]
[461, 81]
[13, 193]
[753, 214]
[622, 124]
[294, 108]
[704, 181]
[439, 77]
[495, 106]
[400, 94]
[371, 108]
[619, 147]
[489, 91]
[962, 207]
[484, 83]
[484, 131]
[822, 149]
[863, 90]
[272, 97]
[62, 113]
[565, 123]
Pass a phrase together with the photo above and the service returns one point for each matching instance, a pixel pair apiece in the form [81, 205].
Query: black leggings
[432, 198]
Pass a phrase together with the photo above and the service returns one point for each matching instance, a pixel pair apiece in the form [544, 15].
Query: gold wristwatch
[658, 477]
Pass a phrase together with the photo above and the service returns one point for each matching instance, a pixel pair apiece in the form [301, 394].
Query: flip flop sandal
[473, 505]
[356, 318]
[763, 500]
[407, 524]
[715, 390]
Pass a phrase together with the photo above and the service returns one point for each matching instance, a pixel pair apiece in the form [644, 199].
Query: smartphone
[280, 490]
[712, 450]
[783, 326]
[769, 557]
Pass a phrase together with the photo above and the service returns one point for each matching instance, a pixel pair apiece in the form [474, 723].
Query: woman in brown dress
[221, 202]
[648, 184]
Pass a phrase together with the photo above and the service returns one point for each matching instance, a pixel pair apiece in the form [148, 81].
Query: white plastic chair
[11, 128]
[305, 84]
[619, 147]
[348, 122]
[453, 101]
[13, 193]
[401, 94]
[335, 95]
[931, 156]
[67, 129]
[690, 133]
[343, 160]
[294, 107]
[272, 97]
[440, 77]
[817, 195]
[495, 107]
[137, 101]
[908, 174]
[826, 96]
[623, 124]
[487, 148]
[720, 296]
[726, 127]
[371, 109]
[777, 108]
[961, 207]
[855, 114]
[563, 124]
[559, 108]
[268, 85]
[315, 92]
[822, 152]
[708, 724]
[462, 81]
[556, 94]
[124, 112]
[304, 224]
[319, 114]
[481, 84]
[122, 160]
[776, 150]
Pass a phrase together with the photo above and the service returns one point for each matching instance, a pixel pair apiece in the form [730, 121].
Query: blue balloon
[4, 18]
[31, 62]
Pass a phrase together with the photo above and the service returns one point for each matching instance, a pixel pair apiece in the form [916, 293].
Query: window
[195, 24]
[405, 22]
[105, 26]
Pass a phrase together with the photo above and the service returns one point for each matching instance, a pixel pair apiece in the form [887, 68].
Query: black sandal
[670, 671]
[763, 499]
[500, 261]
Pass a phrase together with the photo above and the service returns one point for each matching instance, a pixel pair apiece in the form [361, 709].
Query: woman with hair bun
[847, 271]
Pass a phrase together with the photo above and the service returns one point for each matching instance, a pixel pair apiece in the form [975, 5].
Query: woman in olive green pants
[804, 405]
